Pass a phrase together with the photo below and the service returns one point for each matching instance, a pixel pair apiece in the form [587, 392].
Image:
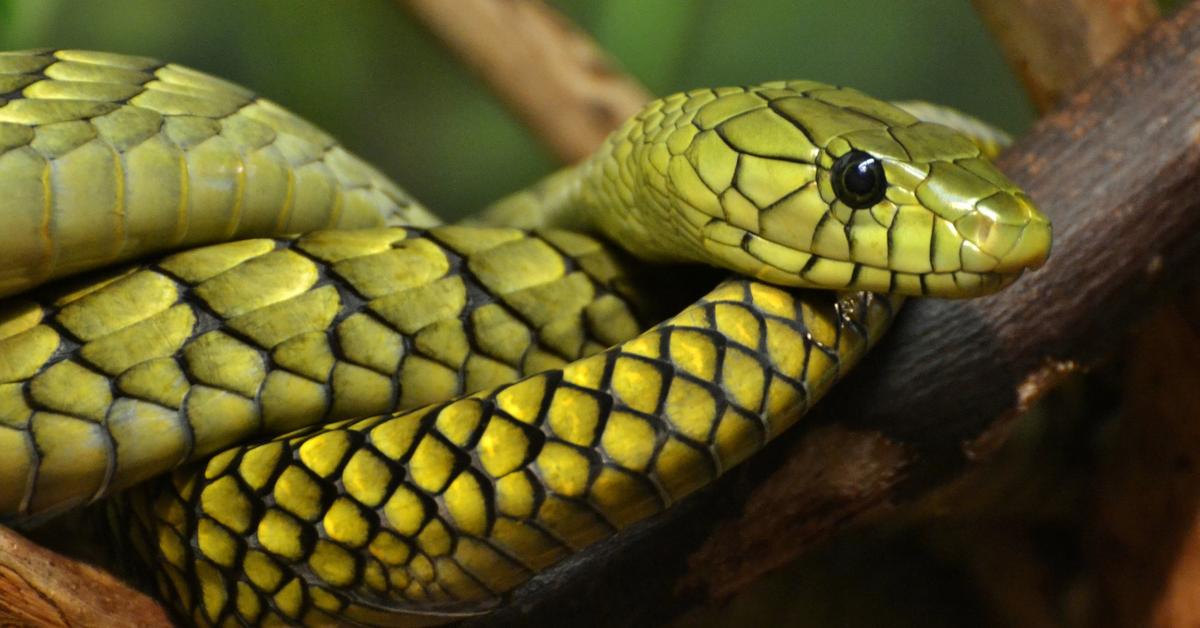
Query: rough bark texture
[41, 588]
[1053, 45]
[551, 74]
[1138, 522]
[1116, 169]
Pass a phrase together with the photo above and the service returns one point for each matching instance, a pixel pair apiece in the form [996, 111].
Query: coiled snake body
[375, 492]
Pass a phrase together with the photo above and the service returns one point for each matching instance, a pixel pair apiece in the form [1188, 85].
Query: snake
[390, 420]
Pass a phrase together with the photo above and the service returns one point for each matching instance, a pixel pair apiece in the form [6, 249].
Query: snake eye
[858, 179]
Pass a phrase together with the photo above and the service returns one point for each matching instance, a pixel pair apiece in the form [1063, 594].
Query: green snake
[431, 414]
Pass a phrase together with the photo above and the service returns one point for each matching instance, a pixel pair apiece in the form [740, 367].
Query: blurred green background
[364, 71]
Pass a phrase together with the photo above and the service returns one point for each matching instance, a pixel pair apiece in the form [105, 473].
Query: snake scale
[388, 420]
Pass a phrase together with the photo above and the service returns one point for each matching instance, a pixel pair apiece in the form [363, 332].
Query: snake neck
[624, 193]
[618, 193]
[548, 204]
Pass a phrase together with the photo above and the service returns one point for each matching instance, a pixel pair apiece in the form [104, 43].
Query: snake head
[804, 184]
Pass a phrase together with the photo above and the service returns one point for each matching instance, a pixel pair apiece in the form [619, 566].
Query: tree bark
[1136, 509]
[41, 588]
[1116, 170]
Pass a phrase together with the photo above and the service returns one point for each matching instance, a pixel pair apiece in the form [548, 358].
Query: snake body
[415, 505]
[262, 336]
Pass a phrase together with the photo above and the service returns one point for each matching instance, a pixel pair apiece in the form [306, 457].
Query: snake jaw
[753, 255]
[1032, 250]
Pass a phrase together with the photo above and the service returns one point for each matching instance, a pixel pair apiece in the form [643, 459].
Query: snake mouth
[769, 261]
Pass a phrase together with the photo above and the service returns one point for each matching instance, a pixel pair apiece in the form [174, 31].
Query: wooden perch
[41, 588]
[549, 73]
[1117, 170]
[1136, 504]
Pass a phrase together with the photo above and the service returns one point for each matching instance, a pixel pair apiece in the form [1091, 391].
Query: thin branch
[1053, 46]
[551, 74]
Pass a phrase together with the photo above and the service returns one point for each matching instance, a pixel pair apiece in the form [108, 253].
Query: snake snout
[1005, 234]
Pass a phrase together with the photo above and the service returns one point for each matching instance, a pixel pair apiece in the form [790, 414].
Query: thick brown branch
[552, 75]
[1117, 170]
[1140, 525]
[41, 588]
[1052, 46]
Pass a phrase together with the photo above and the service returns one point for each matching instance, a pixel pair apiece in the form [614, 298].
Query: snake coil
[429, 414]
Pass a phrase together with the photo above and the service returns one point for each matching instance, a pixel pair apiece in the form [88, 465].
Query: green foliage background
[365, 72]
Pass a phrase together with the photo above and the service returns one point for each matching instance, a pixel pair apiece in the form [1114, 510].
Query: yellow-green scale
[445, 508]
[115, 380]
[108, 157]
[743, 178]
[440, 510]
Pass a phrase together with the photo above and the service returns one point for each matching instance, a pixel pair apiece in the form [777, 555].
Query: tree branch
[1139, 525]
[550, 74]
[1055, 477]
[1116, 169]
[41, 588]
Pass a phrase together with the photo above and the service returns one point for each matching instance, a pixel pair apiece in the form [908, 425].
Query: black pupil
[858, 179]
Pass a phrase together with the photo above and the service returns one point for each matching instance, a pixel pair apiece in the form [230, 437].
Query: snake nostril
[975, 227]
[984, 228]
[1005, 233]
